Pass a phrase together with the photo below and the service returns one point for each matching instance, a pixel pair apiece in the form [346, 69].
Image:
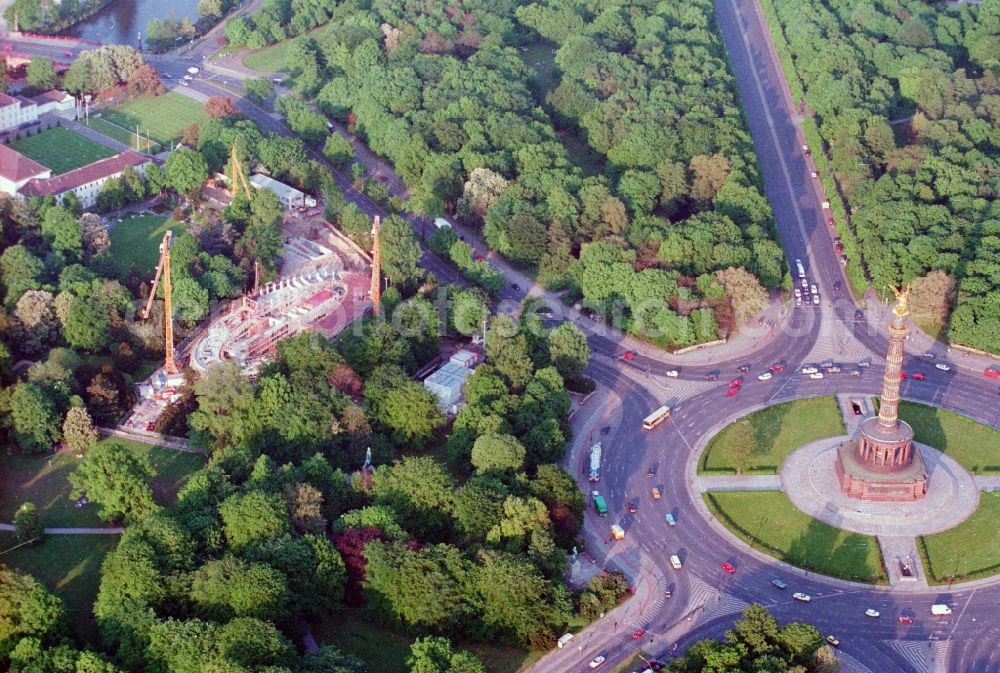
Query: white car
[815, 299]
[943, 367]
[799, 596]
[871, 613]
[597, 661]
[816, 375]
[798, 301]
[812, 288]
[673, 373]
[675, 562]
[188, 77]
[185, 82]
[193, 70]
[798, 292]
[809, 370]
[805, 284]
[766, 376]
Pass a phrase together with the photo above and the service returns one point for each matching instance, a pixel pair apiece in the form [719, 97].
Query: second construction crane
[163, 270]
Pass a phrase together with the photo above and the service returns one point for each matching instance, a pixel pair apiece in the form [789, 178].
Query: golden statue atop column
[902, 299]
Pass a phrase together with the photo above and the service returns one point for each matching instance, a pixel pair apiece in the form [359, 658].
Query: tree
[37, 325]
[434, 654]
[35, 418]
[258, 89]
[27, 610]
[41, 73]
[745, 293]
[145, 82]
[225, 398]
[20, 271]
[481, 191]
[741, 440]
[78, 430]
[87, 325]
[94, 235]
[497, 452]
[305, 507]
[407, 409]
[27, 525]
[338, 149]
[186, 171]
[710, 173]
[932, 297]
[109, 395]
[420, 490]
[569, 351]
[230, 587]
[400, 251]
[253, 516]
[116, 478]
[218, 107]
[251, 642]
[61, 231]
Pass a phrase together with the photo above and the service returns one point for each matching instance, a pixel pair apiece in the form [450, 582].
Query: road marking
[774, 135]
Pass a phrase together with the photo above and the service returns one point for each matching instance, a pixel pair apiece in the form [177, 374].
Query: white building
[288, 195]
[18, 110]
[16, 170]
[87, 181]
[447, 383]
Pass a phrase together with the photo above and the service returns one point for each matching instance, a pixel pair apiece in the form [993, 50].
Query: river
[122, 20]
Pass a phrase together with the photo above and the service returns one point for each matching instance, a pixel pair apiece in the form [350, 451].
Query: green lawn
[115, 132]
[136, 240]
[61, 150]
[275, 57]
[164, 117]
[45, 482]
[967, 551]
[778, 430]
[385, 650]
[975, 446]
[770, 522]
[69, 565]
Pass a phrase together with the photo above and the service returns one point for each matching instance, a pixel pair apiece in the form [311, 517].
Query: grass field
[385, 650]
[136, 240]
[45, 482]
[967, 551]
[275, 57]
[118, 133]
[779, 430]
[770, 522]
[975, 446]
[164, 118]
[70, 566]
[61, 150]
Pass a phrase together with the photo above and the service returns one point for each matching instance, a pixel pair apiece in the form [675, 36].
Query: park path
[153, 439]
[91, 134]
[732, 482]
[71, 531]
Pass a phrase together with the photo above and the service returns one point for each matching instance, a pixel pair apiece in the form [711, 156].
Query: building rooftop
[16, 167]
[85, 174]
[54, 96]
[21, 101]
[859, 471]
[261, 181]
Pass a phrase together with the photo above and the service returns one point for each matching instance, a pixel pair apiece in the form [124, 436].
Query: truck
[940, 609]
[595, 462]
[599, 504]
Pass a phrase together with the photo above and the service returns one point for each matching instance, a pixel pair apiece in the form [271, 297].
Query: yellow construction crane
[238, 179]
[163, 269]
[376, 289]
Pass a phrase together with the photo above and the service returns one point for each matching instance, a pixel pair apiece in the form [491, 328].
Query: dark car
[836, 286]
[651, 472]
[859, 314]
[515, 286]
[744, 369]
[711, 376]
[632, 507]
[606, 429]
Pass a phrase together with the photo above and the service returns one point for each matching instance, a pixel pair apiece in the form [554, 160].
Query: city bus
[656, 418]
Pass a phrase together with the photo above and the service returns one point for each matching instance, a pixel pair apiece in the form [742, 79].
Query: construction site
[326, 282]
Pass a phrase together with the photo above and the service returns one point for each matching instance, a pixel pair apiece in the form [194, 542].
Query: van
[561, 643]
[675, 562]
[800, 269]
[939, 609]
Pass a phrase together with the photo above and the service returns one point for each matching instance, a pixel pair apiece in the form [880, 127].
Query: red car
[991, 373]
[736, 383]
[839, 247]
[830, 221]
[903, 619]
[629, 355]
[480, 258]
[902, 376]
[732, 391]
[637, 634]
[919, 376]
[776, 368]
[729, 567]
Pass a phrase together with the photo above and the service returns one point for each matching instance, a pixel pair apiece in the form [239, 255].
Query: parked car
[629, 355]
[815, 300]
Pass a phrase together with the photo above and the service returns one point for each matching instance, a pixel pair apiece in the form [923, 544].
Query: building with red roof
[87, 181]
[16, 170]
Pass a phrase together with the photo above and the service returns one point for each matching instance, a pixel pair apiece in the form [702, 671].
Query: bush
[27, 525]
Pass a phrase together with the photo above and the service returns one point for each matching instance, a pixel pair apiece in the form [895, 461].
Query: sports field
[136, 240]
[163, 118]
[61, 150]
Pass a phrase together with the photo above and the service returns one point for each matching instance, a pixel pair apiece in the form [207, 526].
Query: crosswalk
[924, 659]
[836, 341]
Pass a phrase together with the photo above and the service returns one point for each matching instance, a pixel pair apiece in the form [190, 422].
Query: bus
[599, 504]
[656, 418]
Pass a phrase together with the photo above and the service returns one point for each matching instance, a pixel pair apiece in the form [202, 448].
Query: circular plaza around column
[809, 480]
